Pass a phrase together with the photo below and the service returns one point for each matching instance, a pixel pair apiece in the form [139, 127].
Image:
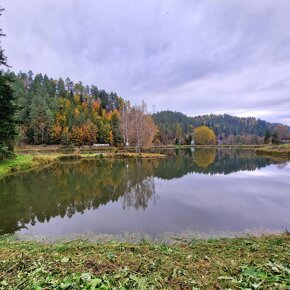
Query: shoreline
[33, 157]
[53, 148]
[277, 151]
[197, 264]
[24, 163]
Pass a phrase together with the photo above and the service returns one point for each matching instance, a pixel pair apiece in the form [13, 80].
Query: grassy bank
[27, 162]
[239, 263]
[41, 149]
[24, 163]
[280, 151]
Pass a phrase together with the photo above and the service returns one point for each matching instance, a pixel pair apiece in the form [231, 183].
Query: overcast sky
[191, 56]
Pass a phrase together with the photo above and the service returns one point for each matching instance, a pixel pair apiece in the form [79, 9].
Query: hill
[223, 125]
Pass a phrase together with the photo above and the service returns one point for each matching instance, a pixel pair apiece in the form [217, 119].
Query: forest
[50, 111]
[57, 111]
[60, 112]
[228, 129]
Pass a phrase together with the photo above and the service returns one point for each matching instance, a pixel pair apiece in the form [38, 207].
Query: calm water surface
[203, 191]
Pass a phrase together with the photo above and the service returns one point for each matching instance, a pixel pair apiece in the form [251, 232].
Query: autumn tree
[281, 131]
[204, 158]
[142, 127]
[137, 125]
[116, 127]
[204, 136]
[124, 121]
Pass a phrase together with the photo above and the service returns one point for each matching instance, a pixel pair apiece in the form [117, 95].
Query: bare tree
[282, 131]
[137, 126]
[125, 112]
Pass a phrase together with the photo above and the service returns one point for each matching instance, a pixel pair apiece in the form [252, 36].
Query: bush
[5, 153]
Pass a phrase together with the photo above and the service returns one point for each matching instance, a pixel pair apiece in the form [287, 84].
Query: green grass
[23, 163]
[7, 166]
[239, 263]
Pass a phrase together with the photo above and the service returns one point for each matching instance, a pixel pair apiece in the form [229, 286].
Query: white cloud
[193, 56]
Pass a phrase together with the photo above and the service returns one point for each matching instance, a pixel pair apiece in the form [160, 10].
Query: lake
[192, 190]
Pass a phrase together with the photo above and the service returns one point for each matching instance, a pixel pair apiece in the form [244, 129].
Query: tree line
[175, 126]
[60, 111]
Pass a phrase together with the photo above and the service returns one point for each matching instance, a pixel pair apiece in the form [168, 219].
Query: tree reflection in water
[140, 186]
[67, 188]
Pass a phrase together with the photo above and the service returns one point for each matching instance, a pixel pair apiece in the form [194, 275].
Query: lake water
[205, 191]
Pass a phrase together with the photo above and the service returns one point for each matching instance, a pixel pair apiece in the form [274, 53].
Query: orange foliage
[96, 105]
[85, 105]
[55, 133]
[85, 134]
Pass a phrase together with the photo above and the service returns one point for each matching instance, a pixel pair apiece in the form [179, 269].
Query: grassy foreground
[239, 263]
[280, 151]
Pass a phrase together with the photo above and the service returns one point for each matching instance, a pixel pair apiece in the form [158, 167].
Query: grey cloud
[193, 56]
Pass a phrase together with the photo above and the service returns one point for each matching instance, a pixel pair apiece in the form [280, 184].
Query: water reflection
[65, 189]
[208, 161]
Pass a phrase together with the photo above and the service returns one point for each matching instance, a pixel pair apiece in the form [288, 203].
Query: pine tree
[267, 137]
[7, 109]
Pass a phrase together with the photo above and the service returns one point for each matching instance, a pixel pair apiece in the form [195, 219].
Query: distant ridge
[223, 125]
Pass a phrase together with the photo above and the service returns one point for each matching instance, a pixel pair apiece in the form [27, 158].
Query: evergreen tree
[7, 109]
[275, 138]
[61, 88]
[267, 137]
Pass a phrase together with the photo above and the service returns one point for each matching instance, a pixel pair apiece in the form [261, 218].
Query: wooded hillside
[223, 125]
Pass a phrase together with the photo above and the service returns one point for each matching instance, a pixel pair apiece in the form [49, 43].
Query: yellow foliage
[204, 158]
[77, 99]
[76, 113]
[204, 136]
[95, 116]
[108, 116]
[115, 115]
[110, 138]
[103, 114]
[60, 119]
[67, 104]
